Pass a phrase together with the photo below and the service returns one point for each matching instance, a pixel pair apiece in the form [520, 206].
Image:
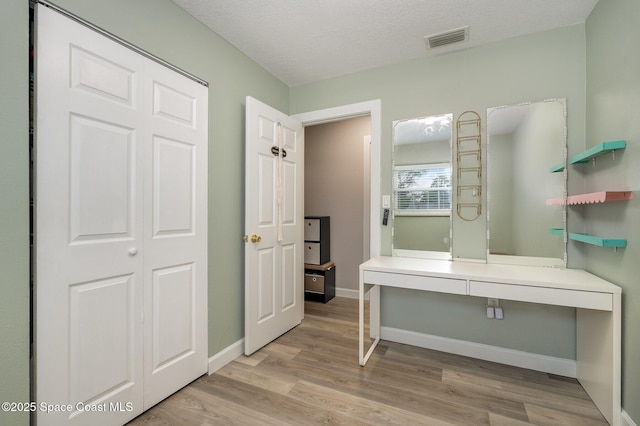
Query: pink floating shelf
[600, 197]
[555, 201]
[592, 198]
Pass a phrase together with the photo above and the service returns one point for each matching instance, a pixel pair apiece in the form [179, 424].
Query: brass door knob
[254, 238]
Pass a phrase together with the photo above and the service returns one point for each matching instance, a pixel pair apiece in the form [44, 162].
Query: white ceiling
[302, 41]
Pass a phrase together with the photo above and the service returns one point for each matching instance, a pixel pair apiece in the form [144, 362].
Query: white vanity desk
[598, 303]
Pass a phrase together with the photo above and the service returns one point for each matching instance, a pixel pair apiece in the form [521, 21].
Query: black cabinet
[317, 241]
[319, 270]
[320, 282]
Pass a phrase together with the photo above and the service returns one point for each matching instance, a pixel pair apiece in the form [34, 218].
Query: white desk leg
[374, 312]
[362, 357]
[598, 357]
[361, 320]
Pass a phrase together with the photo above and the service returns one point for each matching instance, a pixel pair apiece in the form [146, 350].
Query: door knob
[254, 238]
[133, 251]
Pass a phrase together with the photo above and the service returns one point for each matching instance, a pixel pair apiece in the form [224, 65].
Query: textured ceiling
[301, 41]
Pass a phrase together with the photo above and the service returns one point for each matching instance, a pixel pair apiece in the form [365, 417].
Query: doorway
[373, 110]
[337, 185]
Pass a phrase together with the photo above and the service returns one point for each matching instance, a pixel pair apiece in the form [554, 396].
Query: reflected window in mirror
[422, 189]
[524, 142]
[421, 208]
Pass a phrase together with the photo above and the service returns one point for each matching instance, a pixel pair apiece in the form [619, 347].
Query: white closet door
[118, 279]
[175, 193]
[89, 224]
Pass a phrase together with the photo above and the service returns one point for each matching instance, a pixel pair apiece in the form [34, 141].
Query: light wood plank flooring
[311, 375]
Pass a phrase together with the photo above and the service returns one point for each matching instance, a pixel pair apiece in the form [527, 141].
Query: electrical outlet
[492, 302]
[491, 312]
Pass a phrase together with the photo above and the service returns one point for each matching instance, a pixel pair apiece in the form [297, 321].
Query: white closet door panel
[102, 180]
[98, 347]
[102, 77]
[173, 334]
[174, 187]
[88, 218]
[175, 192]
[174, 105]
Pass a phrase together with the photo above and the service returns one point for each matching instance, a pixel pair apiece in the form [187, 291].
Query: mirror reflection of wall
[422, 186]
[524, 142]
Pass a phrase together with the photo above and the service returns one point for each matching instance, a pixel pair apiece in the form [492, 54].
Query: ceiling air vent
[446, 38]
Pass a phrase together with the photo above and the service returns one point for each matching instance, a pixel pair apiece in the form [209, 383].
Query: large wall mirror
[421, 201]
[526, 164]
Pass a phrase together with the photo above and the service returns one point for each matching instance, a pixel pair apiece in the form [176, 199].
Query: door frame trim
[373, 109]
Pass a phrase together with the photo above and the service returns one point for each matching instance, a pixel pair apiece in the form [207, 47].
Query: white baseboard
[626, 420]
[547, 364]
[225, 356]
[346, 292]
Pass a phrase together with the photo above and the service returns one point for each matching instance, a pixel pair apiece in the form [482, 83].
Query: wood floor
[311, 375]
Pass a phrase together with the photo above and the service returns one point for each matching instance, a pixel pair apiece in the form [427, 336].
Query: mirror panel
[524, 142]
[421, 201]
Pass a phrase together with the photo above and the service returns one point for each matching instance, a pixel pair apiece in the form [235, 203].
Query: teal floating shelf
[597, 241]
[557, 168]
[596, 151]
[557, 231]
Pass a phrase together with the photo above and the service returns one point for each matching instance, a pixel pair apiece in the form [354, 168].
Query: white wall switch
[386, 201]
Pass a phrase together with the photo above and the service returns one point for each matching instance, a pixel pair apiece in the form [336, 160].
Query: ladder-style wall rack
[469, 165]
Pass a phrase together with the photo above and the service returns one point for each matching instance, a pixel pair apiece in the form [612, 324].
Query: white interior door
[120, 227]
[175, 232]
[274, 213]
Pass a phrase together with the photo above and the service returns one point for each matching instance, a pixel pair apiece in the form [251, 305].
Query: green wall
[613, 99]
[14, 207]
[529, 68]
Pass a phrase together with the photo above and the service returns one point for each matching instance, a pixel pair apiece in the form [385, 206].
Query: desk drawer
[417, 282]
[549, 296]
